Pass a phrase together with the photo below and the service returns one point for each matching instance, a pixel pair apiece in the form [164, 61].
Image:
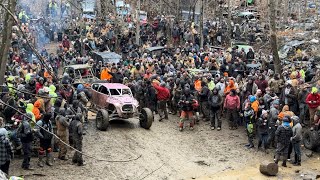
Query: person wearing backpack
[24, 132]
[215, 102]
[249, 116]
[45, 134]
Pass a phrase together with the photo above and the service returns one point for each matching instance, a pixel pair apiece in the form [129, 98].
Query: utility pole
[201, 25]
[138, 23]
[6, 38]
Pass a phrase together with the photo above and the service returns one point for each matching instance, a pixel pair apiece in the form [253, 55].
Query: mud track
[165, 153]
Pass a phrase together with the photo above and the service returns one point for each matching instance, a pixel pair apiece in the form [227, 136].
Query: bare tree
[273, 36]
[6, 38]
[229, 23]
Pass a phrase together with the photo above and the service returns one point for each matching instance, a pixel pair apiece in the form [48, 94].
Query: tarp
[106, 57]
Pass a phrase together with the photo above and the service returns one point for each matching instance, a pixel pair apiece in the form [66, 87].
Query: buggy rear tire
[310, 139]
[102, 120]
[146, 118]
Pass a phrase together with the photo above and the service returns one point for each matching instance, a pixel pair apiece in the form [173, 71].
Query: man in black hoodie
[203, 99]
[283, 135]
[215, 101]
[117, 76]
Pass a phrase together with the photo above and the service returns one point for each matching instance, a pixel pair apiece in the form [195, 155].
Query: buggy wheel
[310, 139]
[146, 118]
[102, 120]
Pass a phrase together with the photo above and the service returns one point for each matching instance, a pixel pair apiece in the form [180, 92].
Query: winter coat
[215, 101]
[262, 85]
[283, 134]
[232, 102]
[36, 110]
[204, 94]
[43, 134]
[291, 97]
[163, 93]
[38, 86]
[5, 149]
[105, 75]
[253, 90]
[255, 106]
[285, 112]
[315, 98]
[248, 115]
[273, 116]
[297, 132]
[229, 87]
[24, 132]
[276, 85]
[183, 102]
[211, 85]
[302, 96]
[263, 125]
[29, 110]
[62, 125]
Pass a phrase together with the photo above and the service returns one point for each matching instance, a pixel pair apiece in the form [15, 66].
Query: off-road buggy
[115, 101]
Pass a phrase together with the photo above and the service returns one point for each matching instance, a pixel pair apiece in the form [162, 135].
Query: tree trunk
[269, 169]
[273, 37]
[103, 11]
[201, 24]
[6, 39]
[229, 23]
[138, 23]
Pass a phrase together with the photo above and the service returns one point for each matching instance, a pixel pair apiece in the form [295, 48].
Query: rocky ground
[165, 153]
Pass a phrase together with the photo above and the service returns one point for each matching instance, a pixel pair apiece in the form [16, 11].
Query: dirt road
[161, 153]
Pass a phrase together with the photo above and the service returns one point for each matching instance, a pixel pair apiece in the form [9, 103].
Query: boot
[49, 161]
[295, 159]
[180, 126]
[40, 162]
[284, 163]
[276, 159]
[298, 163]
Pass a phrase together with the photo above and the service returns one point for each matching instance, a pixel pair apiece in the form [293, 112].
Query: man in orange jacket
[105, 75]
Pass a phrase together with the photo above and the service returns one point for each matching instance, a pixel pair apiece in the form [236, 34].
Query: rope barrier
[66, 144]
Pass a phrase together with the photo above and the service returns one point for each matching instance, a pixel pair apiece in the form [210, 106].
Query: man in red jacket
[163, 95]
[313, 101]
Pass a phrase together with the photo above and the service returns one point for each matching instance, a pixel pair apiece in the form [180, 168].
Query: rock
[223, 160]
[269, 169]
[297, 171]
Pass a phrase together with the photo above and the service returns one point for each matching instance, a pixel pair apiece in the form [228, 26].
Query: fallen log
[269, 169]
